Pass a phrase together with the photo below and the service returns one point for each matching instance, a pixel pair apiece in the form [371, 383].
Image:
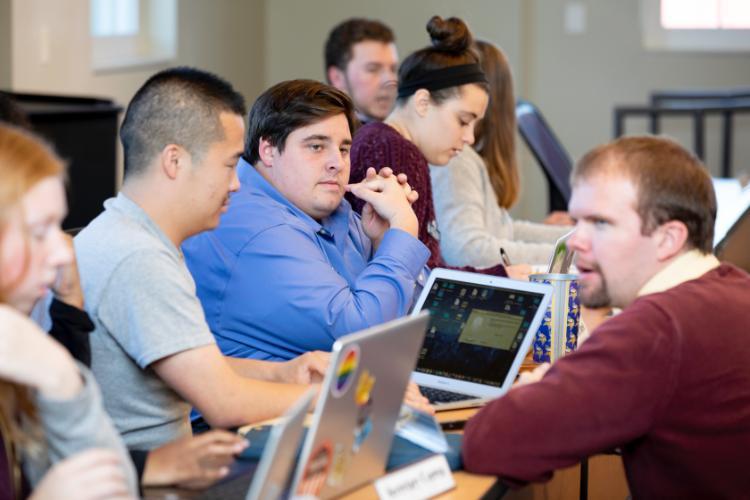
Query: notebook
[481, 328]
[272, 477]
[359, 403]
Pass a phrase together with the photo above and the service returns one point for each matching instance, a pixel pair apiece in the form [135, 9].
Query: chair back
[734, 247]
[547, 151]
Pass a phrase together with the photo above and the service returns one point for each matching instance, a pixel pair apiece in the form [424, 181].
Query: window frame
[655, 37]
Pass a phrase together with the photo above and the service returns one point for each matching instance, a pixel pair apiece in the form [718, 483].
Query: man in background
[361, 60]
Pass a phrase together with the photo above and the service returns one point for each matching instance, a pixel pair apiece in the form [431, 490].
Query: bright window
[114, 18]
[696, 25]
[128, 33]
[705, 14]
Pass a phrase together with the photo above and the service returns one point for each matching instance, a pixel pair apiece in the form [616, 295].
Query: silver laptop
[272, 477]
[481, 328]
[360, 399]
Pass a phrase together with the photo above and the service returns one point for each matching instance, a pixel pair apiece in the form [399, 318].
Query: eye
[315, 147]
[599, 223]
[345, 150]
[38, 232]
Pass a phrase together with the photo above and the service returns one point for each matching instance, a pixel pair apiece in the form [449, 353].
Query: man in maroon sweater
[668, 379]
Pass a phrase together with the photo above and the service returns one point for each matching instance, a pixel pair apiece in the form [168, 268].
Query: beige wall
[225, 36]
[293, 24]
[575, 79]
[578, 79]
[4, 44]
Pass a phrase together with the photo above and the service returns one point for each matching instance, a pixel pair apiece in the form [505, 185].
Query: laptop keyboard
[440, 396]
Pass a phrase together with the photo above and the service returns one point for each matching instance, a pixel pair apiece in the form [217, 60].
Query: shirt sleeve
[159, 317]
[77, 424]
[297, 299]
[465, 237]
[604, 395]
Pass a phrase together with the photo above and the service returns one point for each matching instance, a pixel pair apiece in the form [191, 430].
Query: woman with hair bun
[474, 192]
[442, 92]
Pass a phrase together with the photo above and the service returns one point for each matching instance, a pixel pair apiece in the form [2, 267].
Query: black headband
[442, 78]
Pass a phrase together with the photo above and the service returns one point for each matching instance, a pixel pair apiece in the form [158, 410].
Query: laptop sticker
[345, 372]
[316, 470]
[363, 399]
[340, 465]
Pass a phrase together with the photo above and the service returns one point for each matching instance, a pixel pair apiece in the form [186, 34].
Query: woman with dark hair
[442, 93]
[474, 192]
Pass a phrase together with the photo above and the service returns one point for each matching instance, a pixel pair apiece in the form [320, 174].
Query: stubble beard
[597, 297]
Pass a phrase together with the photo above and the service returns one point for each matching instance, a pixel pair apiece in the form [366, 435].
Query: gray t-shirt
[142, 300]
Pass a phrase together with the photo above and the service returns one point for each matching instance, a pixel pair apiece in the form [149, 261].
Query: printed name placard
[423, 479]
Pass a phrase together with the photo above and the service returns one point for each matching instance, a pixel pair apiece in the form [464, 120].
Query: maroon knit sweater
[379, 145]
[667, 380]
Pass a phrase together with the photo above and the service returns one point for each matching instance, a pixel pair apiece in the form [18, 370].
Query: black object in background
[83, 130]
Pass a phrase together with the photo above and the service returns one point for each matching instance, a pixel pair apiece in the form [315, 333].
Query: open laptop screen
[475, 330]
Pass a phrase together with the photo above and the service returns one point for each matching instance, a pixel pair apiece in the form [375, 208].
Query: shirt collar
[688, 266]
[130, 208]
[336, 224]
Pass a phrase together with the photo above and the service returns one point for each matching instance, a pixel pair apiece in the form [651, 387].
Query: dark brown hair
[671, 183]
[290, 105]
[496, 132]
[451, 46]
[341, 39]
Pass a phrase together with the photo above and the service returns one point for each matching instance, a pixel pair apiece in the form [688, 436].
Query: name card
[424, 479]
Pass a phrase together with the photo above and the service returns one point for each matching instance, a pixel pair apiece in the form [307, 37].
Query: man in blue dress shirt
[291, 267]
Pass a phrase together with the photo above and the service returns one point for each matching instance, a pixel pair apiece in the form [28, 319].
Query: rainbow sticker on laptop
[346, 371]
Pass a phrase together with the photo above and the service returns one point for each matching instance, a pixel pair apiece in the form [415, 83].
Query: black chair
[547, 151]
[696, 105]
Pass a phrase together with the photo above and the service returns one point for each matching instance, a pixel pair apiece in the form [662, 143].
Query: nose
[234, 184]
[60, 249]
[389, 77]
[579, 240]
[336, 161]
[468, 136]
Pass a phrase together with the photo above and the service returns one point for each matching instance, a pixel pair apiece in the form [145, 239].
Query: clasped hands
[388, 198]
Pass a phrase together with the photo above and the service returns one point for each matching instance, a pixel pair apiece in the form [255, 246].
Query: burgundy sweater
[379, 145]
[667, 380]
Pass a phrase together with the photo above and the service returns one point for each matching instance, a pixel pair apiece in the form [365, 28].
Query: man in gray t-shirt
[152, 351]
[143, 302]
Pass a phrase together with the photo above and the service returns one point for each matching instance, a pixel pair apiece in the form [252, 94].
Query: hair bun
[449, 35]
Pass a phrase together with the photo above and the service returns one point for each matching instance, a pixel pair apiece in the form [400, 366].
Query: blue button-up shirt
[275, 283]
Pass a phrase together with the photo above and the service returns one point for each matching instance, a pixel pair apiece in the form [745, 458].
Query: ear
[267, 152]
[336, 77]
[670, 239]
[422, 102]
[172, 158]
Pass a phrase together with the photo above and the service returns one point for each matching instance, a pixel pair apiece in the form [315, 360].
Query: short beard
[599, 298]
